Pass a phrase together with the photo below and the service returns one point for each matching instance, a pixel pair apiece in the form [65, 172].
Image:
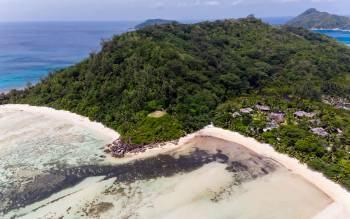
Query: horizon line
[141, 20]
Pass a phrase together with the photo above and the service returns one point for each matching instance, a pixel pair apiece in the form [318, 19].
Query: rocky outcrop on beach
[120, 148]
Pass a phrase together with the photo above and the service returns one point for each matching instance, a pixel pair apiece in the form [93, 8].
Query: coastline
[65, 115]
[4, 92]
[334, 29]
[339, 209]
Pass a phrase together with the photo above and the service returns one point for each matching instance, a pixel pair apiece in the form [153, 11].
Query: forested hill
[313, 18]
[188, 70]
[281, 85]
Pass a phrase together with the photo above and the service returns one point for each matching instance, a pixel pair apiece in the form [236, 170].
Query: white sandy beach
[27, 133]
[65, 116]
[338, 209]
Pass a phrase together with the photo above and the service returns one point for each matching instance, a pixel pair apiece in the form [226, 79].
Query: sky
[123, 10]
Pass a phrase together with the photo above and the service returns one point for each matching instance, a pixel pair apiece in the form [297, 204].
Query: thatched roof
[277, 117]
[262, 107]
[320, 131]
[304, 114]
[246, 110]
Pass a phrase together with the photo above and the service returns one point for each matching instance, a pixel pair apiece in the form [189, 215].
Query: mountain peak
[314, 19]
[310, 11]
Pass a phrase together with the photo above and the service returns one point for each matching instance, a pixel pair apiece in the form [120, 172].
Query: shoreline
[65, 115]
[335, 29]
[339, 209]
[8, 90]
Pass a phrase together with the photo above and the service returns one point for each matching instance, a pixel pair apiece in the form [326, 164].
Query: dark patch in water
[162, 165]
[237, 167]
[220, 157]
[264, 171]
[54, 181]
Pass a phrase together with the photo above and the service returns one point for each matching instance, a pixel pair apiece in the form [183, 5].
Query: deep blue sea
[30, 50]
[342, 36]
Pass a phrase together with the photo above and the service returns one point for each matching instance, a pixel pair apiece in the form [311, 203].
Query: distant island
[314, 19]
[151, 22]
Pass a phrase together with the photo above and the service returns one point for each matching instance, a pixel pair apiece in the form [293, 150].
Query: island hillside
[151, 22]
[285, 86]
[313, 19]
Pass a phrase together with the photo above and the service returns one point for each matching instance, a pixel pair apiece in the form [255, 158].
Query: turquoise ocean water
[342, 36]
[30, 50]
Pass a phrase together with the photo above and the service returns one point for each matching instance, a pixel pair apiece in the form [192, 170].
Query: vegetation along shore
[242, 75]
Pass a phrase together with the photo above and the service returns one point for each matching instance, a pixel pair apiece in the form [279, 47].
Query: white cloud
[236, 2]
[212, 3]
[188, 3]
